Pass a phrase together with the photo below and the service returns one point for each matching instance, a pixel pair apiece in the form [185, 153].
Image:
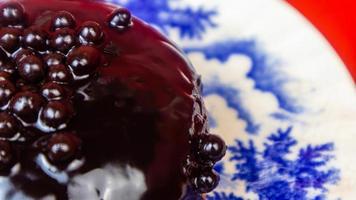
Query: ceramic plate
[276, 91]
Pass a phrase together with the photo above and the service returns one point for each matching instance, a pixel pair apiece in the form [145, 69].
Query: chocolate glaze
[135, 118]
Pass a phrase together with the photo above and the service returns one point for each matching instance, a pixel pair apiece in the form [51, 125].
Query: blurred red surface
[336, 19]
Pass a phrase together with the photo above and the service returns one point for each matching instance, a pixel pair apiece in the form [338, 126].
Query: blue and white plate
[276, 91]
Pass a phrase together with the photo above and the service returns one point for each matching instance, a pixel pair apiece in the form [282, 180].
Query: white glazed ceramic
[276, 91]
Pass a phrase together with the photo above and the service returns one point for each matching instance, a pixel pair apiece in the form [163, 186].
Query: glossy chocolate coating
[135, 118]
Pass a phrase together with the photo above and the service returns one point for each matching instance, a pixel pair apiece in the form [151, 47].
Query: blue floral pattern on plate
[275, 167]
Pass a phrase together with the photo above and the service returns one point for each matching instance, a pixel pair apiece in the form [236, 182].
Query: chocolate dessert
[97, 105]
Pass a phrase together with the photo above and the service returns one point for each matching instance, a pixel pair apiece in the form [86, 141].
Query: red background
[336, 19]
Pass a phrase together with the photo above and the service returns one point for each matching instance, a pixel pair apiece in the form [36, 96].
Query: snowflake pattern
[268, 171]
